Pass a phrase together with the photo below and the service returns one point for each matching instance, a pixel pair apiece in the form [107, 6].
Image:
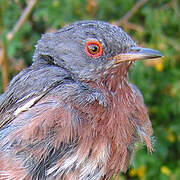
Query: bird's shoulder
[30, 85]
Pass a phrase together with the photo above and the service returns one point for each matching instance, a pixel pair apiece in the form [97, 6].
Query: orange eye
[94, 49]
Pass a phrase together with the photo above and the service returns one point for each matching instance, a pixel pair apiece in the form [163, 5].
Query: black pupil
[93, 48]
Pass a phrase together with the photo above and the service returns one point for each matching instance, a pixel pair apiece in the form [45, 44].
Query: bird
[73, 114]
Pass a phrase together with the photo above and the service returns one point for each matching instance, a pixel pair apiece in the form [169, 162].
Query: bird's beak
[137, 53]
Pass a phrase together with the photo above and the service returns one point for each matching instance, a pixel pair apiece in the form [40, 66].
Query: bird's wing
[27, 88]
[38, 136]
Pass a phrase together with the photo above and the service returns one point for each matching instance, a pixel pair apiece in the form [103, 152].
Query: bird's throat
[115, 77]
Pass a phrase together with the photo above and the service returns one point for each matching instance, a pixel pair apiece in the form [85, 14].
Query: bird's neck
[113, 79]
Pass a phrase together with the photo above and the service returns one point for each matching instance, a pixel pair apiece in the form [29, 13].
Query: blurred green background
[154, 24]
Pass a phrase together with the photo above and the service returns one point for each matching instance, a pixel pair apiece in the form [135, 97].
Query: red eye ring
[94, 49]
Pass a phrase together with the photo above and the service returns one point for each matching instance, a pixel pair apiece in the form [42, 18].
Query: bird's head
[91, 49]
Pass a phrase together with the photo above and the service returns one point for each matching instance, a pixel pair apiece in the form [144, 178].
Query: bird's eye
[94, 49]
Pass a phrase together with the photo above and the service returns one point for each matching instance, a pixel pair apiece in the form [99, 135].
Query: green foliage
[159, 80]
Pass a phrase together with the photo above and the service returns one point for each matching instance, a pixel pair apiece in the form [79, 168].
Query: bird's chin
[115, 71]
[118, 66]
